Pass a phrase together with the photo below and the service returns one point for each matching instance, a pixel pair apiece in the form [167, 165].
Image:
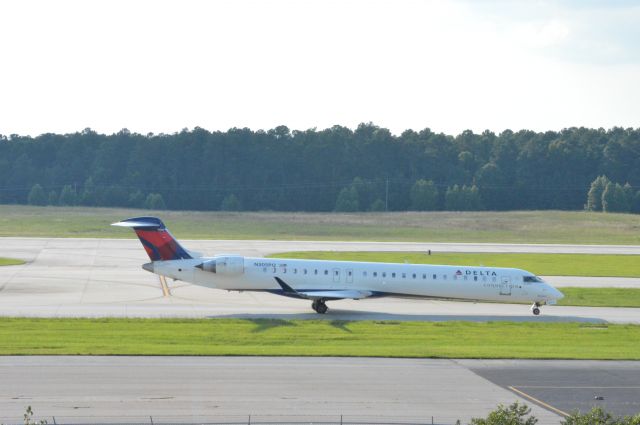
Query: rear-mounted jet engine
[228, 266]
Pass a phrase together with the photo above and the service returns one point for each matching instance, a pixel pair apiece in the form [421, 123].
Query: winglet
[286, 288]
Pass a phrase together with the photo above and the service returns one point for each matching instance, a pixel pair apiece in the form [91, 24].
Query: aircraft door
[336, 275]
[349, 276]
[505, 285]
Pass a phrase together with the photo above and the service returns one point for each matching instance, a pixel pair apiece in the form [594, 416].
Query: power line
[294, 186]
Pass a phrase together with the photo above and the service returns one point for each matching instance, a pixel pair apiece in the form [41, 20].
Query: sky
[160, 66]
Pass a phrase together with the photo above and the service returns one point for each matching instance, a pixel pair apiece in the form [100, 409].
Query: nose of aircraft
[555, 294]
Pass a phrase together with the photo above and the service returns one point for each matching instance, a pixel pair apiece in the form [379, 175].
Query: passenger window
[393, 275]
[326, 272]
[475, 278]
[384, 274]
[336, 273]
[444, 276]
[375, 274]
[315, 271]
[414, 276]
[305, 271]
[295, 271]
[364, 274]
[435, 277]
[424, 275]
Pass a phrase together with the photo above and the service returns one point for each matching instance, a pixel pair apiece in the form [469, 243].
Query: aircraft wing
[323, 294]
[335, 295]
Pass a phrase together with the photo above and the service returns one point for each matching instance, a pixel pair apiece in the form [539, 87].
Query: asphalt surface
[568, 385]
[190, 389]
[103, 278]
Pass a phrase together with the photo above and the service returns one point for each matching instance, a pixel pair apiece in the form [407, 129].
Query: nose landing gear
[319, 306]
[535, 308]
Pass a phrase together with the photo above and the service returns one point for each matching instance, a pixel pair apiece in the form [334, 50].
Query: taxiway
[103, 278]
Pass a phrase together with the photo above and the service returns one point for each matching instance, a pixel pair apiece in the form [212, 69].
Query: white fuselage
[381, 279]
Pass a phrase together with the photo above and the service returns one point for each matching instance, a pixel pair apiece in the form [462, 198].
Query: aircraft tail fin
[156, 238]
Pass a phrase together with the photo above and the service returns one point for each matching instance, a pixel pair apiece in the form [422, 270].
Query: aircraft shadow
[355, 315]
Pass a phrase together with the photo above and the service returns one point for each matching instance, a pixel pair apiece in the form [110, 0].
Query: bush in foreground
[598, 416]
[517, 414]
[28, 418]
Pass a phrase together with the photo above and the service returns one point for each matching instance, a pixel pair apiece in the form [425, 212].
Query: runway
[103, 278]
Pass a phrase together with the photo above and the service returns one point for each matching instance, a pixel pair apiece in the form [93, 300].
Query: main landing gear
[319, 306]
[535, 308]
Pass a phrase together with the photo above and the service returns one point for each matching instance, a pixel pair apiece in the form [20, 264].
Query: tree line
[607, 196]
[336, 169]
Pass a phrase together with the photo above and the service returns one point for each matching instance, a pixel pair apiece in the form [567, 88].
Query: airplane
[320, 281]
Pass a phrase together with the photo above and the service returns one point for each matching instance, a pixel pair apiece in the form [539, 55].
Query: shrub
[37, 195]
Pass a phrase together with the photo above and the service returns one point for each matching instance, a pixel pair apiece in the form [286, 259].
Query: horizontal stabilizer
[141, 223]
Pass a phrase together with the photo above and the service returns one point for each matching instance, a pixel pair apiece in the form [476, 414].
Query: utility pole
[386, 196]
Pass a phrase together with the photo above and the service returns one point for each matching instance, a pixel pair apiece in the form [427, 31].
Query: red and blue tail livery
[156, 239]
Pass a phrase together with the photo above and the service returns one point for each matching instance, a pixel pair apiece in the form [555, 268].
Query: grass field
[10, 262]
[601, 297]
[540, 264]
[318, 338]
[515, 227]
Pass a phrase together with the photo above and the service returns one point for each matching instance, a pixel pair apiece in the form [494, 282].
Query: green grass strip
[540, 264]
[10, 262]
[601, 297]
[265, 337]
[442, 226]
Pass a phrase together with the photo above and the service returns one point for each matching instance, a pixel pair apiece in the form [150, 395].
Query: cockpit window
[531, 279]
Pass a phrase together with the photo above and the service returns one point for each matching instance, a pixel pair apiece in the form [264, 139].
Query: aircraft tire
[536, 311]
[320, 307]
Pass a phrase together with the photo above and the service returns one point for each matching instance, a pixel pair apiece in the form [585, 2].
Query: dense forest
[336, 169]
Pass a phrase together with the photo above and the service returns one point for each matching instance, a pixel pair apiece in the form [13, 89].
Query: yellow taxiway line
[540, 402]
